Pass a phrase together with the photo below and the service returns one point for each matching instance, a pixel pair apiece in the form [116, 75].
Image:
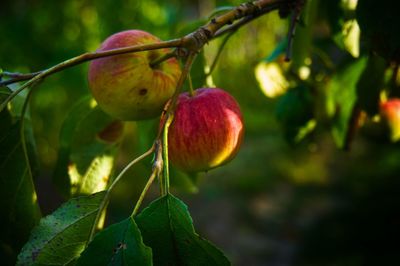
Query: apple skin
[390, 112]
[207, 130]
[126, 86]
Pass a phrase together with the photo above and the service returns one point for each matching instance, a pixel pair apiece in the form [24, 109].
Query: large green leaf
[88, 145]
[118, 244]
[18, 202]
[342, 98]
[61, 236]
[167, 228]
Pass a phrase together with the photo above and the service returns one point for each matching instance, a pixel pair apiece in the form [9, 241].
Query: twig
[16, 77]
[292, 28]
[220, 48]
[247, 19]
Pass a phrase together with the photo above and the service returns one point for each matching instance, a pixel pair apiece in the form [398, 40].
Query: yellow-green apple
[127, 86]
[390, 112]
[207, 130]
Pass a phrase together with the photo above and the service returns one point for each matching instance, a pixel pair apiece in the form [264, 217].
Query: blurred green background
[275, 203]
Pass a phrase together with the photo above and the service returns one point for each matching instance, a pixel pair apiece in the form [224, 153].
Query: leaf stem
[111, 187]
[143, 194]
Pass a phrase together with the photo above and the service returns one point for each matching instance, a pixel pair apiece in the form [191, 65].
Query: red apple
[390, 112]
[207, 130]
[126, 86]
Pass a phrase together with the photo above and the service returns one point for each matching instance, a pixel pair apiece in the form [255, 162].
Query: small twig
[292, 28]
[111, 187]
[273, 6]
[219, 52]
[16, 77]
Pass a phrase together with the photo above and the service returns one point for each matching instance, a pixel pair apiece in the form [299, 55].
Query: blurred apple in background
[390, 112]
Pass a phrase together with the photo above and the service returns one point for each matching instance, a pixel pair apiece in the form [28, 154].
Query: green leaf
[61, 236]
[342, 98]
[18, 201]
[118, 244]
[167, 228]
[370, 84]
[89, 142]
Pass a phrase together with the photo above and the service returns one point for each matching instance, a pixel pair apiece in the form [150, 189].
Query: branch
[87, 57]
[191, 42]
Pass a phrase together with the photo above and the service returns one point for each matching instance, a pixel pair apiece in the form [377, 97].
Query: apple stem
[162, 58]
[191, 90]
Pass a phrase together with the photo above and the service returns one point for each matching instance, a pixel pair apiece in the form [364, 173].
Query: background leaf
[118, 244]
[61, 236]
[370, 84]
[294, 112]
[18, 201]
[88, 145]
[167, 228]
[342, 98]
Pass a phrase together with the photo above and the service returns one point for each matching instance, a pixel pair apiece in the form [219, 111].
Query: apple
[126, 86]
[390, 112]
[206, 131]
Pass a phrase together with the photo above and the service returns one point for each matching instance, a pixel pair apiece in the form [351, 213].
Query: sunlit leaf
[118, 244]
[88, 145]
[61, 236]
[167, 228]
[342, 98]
[349, 38]
[271, 79]
[18, 201]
